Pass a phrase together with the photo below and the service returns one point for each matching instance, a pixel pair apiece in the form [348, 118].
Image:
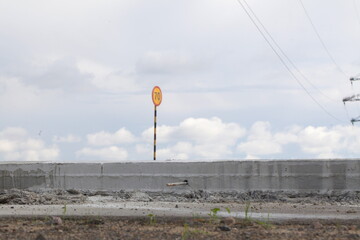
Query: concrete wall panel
[291, 175]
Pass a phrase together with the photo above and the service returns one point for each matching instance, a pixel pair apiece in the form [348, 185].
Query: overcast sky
[76, 79]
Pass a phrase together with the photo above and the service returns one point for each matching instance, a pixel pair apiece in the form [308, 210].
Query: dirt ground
[158, 227]
[151, 227]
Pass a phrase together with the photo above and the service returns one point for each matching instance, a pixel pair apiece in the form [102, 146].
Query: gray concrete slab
[263, 175]
[263, 211]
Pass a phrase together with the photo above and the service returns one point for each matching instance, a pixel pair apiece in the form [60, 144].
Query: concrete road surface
[262, 211]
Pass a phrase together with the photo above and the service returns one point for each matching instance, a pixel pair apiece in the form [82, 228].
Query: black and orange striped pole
[156, 98]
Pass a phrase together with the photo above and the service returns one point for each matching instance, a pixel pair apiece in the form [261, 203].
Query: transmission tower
[356, 78]
[357, 119]
[353, 98]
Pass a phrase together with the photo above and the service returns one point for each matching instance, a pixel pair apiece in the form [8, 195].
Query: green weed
[152, 219]
[213, 214]
[64, 209]
[266, 224]
[247, 209]
[228, 210]
[187, 232]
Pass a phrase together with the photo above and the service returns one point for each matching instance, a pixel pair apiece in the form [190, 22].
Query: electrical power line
[327, 50]
[321, 41]
[282, 60]
[285, 55]
[356, 10]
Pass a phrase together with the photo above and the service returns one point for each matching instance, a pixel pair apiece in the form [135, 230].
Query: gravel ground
[174, 228]
[23, 197]
[157, 227]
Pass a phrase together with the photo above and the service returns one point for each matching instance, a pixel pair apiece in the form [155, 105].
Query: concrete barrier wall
[292, 175]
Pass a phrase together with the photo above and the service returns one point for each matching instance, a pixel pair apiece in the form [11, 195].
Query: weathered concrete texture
[268, 211]
[280, 175]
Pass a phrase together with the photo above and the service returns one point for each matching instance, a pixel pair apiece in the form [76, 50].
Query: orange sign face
[156, 96]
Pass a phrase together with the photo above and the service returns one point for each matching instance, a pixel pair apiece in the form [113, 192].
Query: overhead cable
[321, 40]
[282, 60]
[284, 54]
[357, 11]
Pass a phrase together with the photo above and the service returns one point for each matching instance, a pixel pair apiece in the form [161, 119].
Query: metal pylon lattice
[353, 120]
[353, 98]
[355, 78]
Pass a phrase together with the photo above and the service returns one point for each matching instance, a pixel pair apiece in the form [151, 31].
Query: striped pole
[156, 98]
[155, 115]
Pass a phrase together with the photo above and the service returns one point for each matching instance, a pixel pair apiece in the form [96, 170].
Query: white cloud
[197, 137]
[13, 133]
[7, 146]
[16, 145]
[193, 139]
[260, 141]
[109, 58]
[108, 79]
[251, 157]
[213, 150]
[330, 142]
[199, 130]
[156, 62]
[105, 138]
[289, 135]
[60, 73]
[70, 138]
[107, 154]
[163, 134]
[213, 130]
[317, 142]
[260, 147]
[16, 96]
[179, 151]
[352, 141]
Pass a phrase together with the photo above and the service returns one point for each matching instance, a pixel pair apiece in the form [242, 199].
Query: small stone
[102, 193]
[353, 228]
[96, 221]
[317, 225]
[57, 221]
[73, 191]
[228, 221]
[224, 228]
[40, 237]
[351, 211]
[141, 197]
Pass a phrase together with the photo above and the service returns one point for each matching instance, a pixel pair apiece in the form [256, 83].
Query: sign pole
[156, 98]
[155, 115]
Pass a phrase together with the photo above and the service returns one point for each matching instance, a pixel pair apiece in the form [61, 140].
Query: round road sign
[156, 96]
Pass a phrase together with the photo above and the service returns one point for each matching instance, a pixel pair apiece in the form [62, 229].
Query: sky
[76, 80]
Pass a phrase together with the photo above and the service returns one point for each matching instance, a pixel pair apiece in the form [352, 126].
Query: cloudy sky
[76, 79]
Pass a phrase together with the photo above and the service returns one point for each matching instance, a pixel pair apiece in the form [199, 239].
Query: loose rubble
[73, 196]
[24, 197]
